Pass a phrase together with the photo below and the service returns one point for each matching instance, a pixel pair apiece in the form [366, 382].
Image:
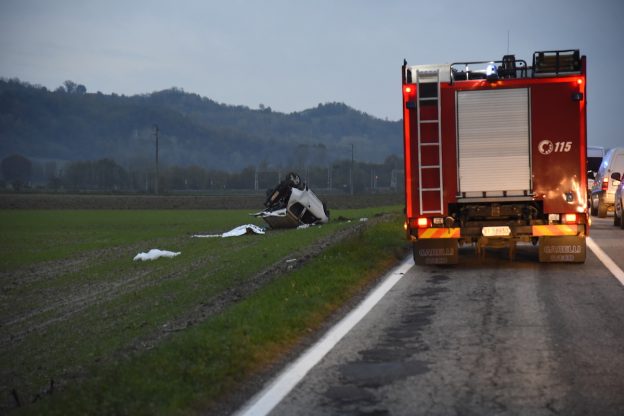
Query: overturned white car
[291, 204]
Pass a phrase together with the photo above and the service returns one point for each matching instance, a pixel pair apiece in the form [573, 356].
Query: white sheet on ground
[155, 253]
[238, 231]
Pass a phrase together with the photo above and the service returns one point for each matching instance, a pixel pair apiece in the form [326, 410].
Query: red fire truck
[495, 154]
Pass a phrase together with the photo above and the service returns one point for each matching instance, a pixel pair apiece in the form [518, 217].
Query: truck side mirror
[616, 176]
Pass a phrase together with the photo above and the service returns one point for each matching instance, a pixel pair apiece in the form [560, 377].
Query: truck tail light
[423, 222]
[605, 184]
[409, 91]
[569, 218]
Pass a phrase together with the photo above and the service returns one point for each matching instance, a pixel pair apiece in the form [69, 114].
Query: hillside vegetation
[72, 124]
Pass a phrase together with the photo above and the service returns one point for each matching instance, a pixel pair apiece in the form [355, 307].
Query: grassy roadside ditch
[194, 366]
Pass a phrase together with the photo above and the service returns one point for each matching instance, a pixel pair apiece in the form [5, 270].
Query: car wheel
[294, 179]
[617, 220]
[602, 210]
[593, 209]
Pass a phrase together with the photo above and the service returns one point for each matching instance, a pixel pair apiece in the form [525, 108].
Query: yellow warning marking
[439, 233]
[554, 230]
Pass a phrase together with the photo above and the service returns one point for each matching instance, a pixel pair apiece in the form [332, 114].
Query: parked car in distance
[618, 201]
[594, 159]
[603, 190]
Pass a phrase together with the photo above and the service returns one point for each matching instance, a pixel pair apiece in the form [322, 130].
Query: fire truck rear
[495, 154]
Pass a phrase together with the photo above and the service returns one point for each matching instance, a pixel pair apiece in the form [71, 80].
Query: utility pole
[351, 171]
[156, 181]
[329, 176]
[372, 177]
[307, 175]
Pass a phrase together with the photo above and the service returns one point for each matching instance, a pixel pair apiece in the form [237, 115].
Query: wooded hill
[71, 124]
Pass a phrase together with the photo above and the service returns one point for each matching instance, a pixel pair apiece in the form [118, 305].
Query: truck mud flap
[563, 249]
[436, 251]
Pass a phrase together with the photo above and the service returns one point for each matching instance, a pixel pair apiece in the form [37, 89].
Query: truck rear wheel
[602, 210]
[592, 208]
[618, 220]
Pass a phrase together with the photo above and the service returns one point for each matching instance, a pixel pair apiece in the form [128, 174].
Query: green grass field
[171, 335]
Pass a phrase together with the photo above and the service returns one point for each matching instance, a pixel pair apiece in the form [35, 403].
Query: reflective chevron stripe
[549, 230]
[439, 233]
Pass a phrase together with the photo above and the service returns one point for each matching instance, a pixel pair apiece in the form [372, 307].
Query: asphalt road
[486, 337]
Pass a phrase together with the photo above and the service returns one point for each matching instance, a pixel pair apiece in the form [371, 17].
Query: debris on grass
[154, 254]
[236, 232]
[244, 229]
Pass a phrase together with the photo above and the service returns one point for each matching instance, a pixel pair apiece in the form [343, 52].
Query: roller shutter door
[493, 142]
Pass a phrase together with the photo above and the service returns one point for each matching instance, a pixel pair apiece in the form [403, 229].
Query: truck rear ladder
[424, 78]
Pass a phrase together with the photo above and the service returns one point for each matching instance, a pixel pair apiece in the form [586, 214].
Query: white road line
[263, 402]
[606, 260]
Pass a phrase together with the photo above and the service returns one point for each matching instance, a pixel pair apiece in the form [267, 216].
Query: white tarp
[236, 232]
[155, 253]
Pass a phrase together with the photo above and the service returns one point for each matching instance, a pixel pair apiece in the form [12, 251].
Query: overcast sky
[292, 55]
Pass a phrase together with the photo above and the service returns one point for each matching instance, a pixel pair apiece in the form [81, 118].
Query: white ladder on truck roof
[429, 77]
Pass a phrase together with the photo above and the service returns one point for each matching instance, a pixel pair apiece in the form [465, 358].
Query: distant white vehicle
[603, 191]
[618, 210]
[594, 159]
[291, 204]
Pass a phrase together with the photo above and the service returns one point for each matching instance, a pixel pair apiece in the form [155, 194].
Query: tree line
[106, 175]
